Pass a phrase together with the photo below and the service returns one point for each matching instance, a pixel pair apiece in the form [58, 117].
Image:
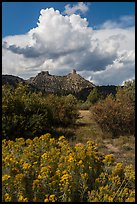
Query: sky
[95, 38]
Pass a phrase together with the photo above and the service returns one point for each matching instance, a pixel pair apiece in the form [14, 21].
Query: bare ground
[123, 147]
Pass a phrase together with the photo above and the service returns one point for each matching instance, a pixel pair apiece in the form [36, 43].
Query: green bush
[23, 112]
[94, 96]
[84, 105]
[29, 114]
[62, 110]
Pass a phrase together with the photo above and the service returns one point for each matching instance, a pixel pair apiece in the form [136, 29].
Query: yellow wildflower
[45, 155]
[44, 137]
[35, 183]
[65, 177]
[20, 140]
[46, 200]
[131, 199]
[15, 170]
[22, 199]
[52, 141]
[61, 138]
[108, 159]
[84, 176]
[129, 173]
[70, 159]
[52, 198]
[58, 172]
[44, 168]
[105, 197]
[118, 169]
[7, 158]
[39, 176]
[5, 177]
[26, 166]
[35, 139]
[29, 141]
[64, 172]
[80, 162]
[90, 168]
[7, 197]
[18, 177]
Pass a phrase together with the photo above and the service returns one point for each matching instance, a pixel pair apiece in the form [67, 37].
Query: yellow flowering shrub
[46, 169]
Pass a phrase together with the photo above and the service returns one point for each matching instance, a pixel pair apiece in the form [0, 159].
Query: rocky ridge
[72, 83]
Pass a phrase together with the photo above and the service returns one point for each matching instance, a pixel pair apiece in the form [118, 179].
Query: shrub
[84, 105]
[23, 112]
[46, 169]
[28, 114]
[62, 110]
[116, 115]
[94, 96]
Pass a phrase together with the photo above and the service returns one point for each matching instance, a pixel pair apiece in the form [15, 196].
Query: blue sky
[95, 38]
[20, 17]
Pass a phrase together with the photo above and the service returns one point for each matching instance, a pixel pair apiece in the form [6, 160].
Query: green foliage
[29, 114]
[84, 105]
[62, 110]
[127, 93]
[100, 93]
[117, 115]
[23, 113]
[46, 169]
[94, 96]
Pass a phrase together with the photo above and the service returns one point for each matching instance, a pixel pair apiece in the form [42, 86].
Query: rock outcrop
[72, 83]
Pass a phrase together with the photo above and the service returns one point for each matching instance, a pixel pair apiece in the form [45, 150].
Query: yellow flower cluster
[7, 197]
[5, 177]
[46, 169]
[22, 199]
[35, 183]
[114, 186]
[26, 166]
[50, 198]
[45, 155]
[65, 178]
[108, 159]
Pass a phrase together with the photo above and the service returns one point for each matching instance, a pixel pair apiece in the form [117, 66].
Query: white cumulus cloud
[60, 43]
[122, 69]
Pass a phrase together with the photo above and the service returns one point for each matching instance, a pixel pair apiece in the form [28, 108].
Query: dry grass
[123, 147]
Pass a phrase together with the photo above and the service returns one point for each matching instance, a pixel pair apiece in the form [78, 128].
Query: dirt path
[87, 128]
[85, 115]
[122, 148]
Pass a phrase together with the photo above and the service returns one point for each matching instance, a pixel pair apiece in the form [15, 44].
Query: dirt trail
[86, 117]
[88, 129]
[93, 131]
[85, 114]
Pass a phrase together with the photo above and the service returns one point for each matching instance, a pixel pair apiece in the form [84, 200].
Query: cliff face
[71, 83]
